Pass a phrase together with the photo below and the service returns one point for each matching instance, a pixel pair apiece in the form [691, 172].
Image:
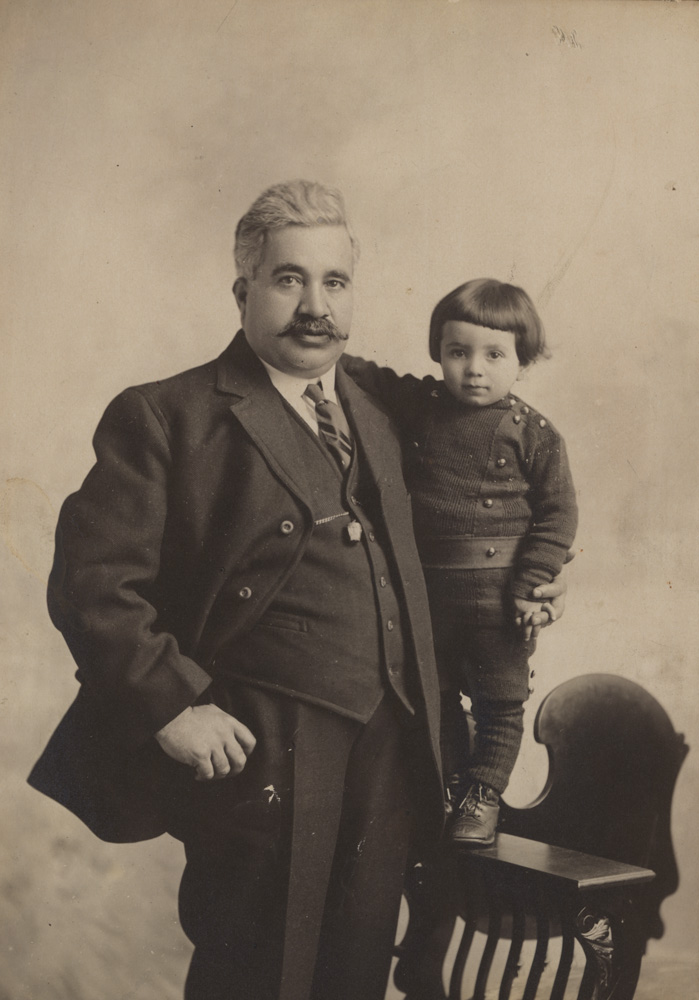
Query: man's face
[296, 311]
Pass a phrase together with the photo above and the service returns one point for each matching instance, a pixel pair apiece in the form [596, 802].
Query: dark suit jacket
[171, 549]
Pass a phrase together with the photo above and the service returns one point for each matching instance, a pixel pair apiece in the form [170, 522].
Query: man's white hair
[293, 203]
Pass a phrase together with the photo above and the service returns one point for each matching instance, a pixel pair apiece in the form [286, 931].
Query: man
[238, 583]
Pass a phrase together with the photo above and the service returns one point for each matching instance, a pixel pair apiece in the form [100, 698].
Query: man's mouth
[312, 331]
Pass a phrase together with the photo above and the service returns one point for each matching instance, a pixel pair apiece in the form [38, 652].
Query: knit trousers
[489, 756]
[491, 666]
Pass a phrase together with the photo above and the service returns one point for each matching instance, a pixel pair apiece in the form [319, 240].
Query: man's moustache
[320, 327]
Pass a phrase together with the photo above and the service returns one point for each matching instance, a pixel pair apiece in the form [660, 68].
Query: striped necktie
[332, 425]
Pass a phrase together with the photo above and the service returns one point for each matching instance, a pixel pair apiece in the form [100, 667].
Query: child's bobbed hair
[492, 303]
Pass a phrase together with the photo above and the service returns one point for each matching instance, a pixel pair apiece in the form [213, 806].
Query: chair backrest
[614, 758]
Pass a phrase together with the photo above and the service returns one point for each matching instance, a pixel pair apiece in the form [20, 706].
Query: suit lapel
[370, 426]
[260, 410]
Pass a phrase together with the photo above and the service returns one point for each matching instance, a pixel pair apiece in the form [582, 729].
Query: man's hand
[209, 740]
[551, 598]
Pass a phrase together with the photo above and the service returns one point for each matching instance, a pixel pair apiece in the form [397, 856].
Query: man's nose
[313, 301]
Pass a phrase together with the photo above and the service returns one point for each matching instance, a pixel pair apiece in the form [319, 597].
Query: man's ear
[240, 290]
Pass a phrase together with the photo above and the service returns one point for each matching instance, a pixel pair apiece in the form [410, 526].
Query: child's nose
[473, 364]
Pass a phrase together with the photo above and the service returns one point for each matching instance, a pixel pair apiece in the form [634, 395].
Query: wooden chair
[590, 860]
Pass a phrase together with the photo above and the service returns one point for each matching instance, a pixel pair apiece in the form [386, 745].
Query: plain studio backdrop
[550, 144]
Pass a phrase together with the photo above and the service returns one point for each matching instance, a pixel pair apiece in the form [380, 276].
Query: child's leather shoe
[476, 817]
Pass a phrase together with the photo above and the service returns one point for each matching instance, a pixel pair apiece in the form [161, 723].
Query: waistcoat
[333, 635]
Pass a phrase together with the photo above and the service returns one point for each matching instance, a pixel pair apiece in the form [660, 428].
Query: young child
[494, 513]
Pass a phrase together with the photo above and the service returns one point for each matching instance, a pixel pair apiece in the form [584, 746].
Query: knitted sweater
[498, 470]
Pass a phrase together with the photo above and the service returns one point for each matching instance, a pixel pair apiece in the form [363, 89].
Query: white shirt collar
[292, 388]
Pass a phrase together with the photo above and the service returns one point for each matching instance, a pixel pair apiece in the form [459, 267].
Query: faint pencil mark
[227, 16]
[568, 256]
[26, 523]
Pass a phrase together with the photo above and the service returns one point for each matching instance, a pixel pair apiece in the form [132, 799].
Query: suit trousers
[295, 867]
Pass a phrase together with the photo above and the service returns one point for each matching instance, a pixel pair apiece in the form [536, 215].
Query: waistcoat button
[286, 527]
[244, 593]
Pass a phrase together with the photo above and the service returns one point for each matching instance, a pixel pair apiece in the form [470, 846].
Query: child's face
[479, 365]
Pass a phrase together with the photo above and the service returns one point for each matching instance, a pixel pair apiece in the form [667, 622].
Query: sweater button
[286, 527]
[487, 503]
[500, 462]
[245, 593]
[490, 552]
[517, 419]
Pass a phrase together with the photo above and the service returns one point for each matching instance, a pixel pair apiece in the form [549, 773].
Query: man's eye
[335, 283]
[288, 279]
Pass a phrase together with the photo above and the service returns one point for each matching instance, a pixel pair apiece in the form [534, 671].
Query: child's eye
[456, 352]
[494, 355]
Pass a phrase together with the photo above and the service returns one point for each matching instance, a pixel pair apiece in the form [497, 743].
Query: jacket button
[286, 527]
[490, 552]
[500, 462]
[245, 593]
[487, 503]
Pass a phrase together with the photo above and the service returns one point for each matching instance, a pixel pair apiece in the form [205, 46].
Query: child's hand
[529, 616]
